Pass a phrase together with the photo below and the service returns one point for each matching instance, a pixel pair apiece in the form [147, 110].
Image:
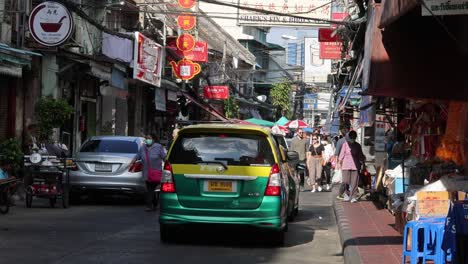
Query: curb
[350, 252]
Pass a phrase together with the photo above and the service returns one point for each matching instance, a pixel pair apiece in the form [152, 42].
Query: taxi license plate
[220, 186]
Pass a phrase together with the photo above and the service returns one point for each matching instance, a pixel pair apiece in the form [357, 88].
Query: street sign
[50, 24]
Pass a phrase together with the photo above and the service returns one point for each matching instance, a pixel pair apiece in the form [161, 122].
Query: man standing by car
[299, 144]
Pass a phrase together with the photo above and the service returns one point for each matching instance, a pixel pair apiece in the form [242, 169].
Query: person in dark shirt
[315, 157]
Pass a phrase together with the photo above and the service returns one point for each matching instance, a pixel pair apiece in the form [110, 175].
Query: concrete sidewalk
[367, 233]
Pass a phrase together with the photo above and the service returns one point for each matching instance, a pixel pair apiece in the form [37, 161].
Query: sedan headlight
[35, 158]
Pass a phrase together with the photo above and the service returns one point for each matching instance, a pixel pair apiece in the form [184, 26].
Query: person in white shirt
[328, 155]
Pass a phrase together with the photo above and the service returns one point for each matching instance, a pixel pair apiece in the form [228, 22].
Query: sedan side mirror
[293, 155]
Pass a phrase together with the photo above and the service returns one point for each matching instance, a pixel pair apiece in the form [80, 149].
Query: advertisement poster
[147, 60]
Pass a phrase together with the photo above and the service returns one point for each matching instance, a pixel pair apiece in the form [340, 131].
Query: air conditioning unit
[5, 36]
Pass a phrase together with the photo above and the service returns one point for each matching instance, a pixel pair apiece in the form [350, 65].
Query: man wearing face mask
[152, 156]
[351, 160]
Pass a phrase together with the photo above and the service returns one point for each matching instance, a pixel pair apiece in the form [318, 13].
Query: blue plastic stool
[417, 242]
[433, 249]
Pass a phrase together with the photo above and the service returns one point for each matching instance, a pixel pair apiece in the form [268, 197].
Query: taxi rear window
[228, 148]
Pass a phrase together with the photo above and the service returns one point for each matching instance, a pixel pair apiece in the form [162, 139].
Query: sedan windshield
[110, 146]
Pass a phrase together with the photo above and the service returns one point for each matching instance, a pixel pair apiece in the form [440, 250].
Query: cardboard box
[460, 196]
[432, 204]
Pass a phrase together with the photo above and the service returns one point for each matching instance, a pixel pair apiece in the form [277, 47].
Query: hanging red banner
[187, 3]
[186, 22]
[185, 42]
[198, 54]
[185, 69]
[216, 92]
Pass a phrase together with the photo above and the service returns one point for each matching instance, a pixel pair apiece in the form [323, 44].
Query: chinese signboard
[330, 44]
[187, 3]
[186, 22]
[147, 60]
[379, 133]
[445, 8]
[304, 12]
[216, 92]
[51, 24]
[330, 50]
[199, 53]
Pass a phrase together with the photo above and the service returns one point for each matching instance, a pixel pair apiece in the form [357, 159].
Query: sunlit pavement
[117, 230]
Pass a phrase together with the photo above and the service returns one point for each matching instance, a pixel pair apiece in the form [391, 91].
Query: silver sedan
[103, 165]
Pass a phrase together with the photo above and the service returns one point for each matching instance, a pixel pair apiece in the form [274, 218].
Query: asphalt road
[117, 230]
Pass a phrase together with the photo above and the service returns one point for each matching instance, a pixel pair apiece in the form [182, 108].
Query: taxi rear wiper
[213, 162]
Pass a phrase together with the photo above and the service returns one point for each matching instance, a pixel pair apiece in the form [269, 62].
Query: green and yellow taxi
[229, 174]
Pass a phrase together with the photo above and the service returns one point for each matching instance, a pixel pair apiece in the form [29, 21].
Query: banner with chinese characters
[186, 69]
[304, 12]
[147, 60]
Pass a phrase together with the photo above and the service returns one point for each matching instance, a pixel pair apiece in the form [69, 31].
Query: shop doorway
[88, 118]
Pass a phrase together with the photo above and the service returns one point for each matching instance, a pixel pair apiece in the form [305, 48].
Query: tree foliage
[10, 151]
[280, 96]
[52, 113]
[231, 108]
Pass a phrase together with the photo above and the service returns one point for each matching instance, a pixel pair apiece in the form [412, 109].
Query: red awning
[415, 58]
[208, 108]
[394, 9]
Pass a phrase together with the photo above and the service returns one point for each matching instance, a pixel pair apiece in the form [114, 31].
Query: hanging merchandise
[453, 141]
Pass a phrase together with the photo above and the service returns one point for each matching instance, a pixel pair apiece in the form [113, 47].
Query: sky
[274, 36]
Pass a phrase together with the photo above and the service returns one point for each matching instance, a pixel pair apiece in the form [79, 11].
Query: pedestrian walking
[351, 160]
[329, 152]
[344, 134]
[315, 160]
[299, 144]
[151, 155]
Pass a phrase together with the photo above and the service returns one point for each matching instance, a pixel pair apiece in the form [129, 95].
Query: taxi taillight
[274, 182]
[167, 180]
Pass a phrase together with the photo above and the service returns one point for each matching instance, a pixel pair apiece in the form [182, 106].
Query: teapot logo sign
[51, 24]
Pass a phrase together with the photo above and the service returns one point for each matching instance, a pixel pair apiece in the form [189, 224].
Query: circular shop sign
[51, 24]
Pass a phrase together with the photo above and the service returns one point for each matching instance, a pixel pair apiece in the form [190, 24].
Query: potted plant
[52, 113]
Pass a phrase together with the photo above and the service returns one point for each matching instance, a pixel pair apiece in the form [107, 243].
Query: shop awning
[392, 10]
[414, 57]
[208, 109]
[13, 71]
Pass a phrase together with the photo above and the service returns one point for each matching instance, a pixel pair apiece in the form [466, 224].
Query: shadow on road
[364, 241]
[106, 199]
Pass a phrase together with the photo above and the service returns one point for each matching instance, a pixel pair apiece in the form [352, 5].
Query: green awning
[282, 121]
[260, 122]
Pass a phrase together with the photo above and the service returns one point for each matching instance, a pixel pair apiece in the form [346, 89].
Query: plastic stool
[436, 237]
[416, 251]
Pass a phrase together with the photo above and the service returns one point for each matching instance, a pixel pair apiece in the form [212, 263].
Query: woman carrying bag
[315, 161]
[152, 156]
